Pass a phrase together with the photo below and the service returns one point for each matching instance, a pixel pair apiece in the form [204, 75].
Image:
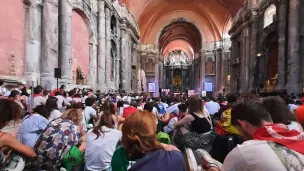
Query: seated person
[197, 134]
[141, 150]
[182, 113]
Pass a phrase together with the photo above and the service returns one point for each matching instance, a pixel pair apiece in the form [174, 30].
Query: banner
[208, 87]
[151, 88]
[191, 93]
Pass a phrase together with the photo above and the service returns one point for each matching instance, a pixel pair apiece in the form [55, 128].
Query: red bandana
[280, 134]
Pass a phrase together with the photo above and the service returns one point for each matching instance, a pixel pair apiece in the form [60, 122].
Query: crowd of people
[94, 131]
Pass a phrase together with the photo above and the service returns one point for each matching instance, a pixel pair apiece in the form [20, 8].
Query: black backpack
[223, 144]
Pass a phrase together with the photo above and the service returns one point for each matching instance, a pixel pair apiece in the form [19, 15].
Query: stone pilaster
[92, 75]
[118, 57]
[293, 74]
[282, 44]
[225, 70]
[156, 77]
[253, 51]
[101, 44]
[65, 39]
[219, 53]
[245, 46]
[32, 41]
[49, 45]
[108, 45]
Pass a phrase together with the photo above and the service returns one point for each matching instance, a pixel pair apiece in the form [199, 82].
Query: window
[209, 67]
[150, 67]
[269, 15]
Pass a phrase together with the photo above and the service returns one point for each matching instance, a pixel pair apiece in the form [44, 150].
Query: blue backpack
[161, 108]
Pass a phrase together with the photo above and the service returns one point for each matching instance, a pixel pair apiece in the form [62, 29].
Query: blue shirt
[30, 129]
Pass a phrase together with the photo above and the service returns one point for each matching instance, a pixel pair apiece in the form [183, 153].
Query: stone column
[101, 45]
[293, 74]
[282, 44]
[253, 52]
[108, 45]
[218, 71]
[124, 60]
[49, 45]
[65, 39]
[32, 40]
[245, 46]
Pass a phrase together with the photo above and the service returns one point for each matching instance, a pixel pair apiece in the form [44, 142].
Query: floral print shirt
[57, 139]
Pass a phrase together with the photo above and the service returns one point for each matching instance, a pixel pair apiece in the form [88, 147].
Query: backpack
[161, 108]
[223, 144]
[163, 138]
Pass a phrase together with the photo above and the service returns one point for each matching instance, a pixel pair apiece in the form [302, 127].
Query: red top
[128, 111]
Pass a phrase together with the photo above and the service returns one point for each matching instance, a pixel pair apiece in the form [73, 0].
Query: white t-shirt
[55, 114]
[87, 114]
[257, 155]
[61, 101]
[99, 152]
[294, 126]
[212, 107]
[173, 109]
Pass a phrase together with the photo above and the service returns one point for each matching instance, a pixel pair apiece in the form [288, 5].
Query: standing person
[101, 143]
[33, 125]
[36, 99]
[52, 106]
[127, 111]
[58, 138]
[161, 106]
[141, 150]
[61, 103]
[45, 94]
[198, 133]
[61, 89]
[173, 109]
[271, 147]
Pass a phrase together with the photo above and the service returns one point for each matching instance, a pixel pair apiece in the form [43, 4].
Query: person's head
[231, 98]
[176, 99]
[42, 110]
[134, 103]
[108, 107]
[62, 87]
[278, 110]
[299, 103]
[149, 106]
[15, 94]
[248, 116]
[195, 104]
[77, 105]
[21, 86]
[45, 93]
[139, 134]
[51, 103]
[90, 101]
[163, 99]
[90, 93]
[73, 115]
[300, 115]
[9, 110]
[106, 120]
[38, 90]
[182, 108]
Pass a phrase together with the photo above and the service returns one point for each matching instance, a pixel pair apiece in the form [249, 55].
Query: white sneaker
[207, 160]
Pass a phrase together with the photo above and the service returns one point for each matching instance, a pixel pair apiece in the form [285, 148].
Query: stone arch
[270, 15]
[79, 7]
[163, 29]
[12, 38]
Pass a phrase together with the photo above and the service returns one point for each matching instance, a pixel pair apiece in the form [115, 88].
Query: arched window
[270, 15]
[113, 24]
